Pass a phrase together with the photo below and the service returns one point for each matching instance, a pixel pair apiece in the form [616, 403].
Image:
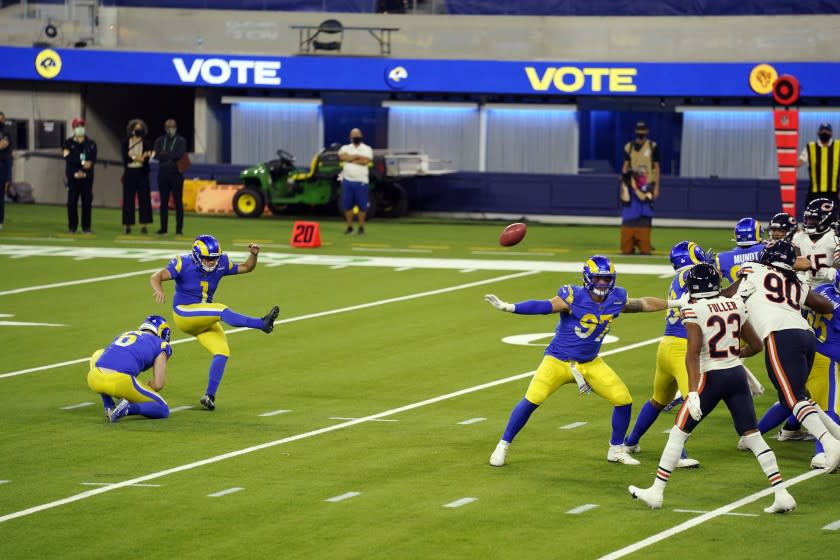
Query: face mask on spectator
[138, 132]
[79, 131]
[357, 140]
[171, 131]
[824, 136]
[640, 138]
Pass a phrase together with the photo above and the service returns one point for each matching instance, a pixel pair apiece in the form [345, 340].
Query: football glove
[680, 302]
[692, 401]
[499, 304]
[746, 289]
[584, 388]
[711, 256]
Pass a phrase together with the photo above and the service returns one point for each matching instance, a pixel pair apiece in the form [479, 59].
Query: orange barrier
[306, 234]
[191, 188]
[215, 199]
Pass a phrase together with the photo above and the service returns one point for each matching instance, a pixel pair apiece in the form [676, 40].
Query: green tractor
[285, 188]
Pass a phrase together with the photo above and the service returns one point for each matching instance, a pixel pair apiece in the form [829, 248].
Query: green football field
[362, 426]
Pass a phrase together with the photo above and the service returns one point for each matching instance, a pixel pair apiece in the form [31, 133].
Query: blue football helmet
[687, 253]
[206, 247]
[782, 226]
[599, 275]
[157, 325]
[818, 215]
[748, 232]
[780, 254]
[703, 281]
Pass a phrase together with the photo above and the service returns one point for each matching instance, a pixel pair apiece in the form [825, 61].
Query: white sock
[766, 457]
[670, 457]
[808, 415]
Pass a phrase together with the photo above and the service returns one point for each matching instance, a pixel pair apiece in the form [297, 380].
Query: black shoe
[88, 232]
[349, 230]
[161, 232]
[208, 401]
[127, 229]
[179, 232]
[361, 230]
[268, 320]
[143, 230]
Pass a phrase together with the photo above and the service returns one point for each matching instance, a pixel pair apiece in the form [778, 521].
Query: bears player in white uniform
[715, 324]
[817, 242]
[782, 226]
[775, 298]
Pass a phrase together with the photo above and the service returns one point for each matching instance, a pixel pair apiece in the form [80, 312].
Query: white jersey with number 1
[720, 319]
[774, 301]
[820, 254]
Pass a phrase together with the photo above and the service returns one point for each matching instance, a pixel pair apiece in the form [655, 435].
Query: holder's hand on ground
[499, 304]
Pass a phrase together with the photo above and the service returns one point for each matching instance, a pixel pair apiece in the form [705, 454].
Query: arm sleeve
[158, 147]
[174, 267]
[92, 152]
[689, 315]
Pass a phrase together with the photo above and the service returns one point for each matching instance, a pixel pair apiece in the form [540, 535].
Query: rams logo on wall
[396, 77]
[48, 64]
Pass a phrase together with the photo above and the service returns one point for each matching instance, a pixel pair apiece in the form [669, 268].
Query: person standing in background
[643, 152]
[354, 179]
[136, 151]
[636, 195]
[79, 153]
[5, 165]
[168, 150]
[823, 159]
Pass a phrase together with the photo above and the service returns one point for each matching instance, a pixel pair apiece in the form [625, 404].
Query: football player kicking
[197, 276]
[670, 372]
[572, 356]
[113, 371]
[714, 324]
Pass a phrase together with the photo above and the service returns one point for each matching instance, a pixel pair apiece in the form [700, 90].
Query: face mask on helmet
[686, 253]
[599, 275]
[206, 253]
[818, 215]
[748, 232]
[782, 226]
[158, 326]
[703, 281]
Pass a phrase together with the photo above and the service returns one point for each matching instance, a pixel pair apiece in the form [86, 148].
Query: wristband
[533, 307]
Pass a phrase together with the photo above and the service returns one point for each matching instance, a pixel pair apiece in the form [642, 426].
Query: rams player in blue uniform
[586, 313]
[748, 234]
[197, 276]
[671, 373]
[113, 371]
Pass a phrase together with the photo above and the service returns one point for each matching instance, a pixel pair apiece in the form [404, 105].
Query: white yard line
[225, 492]
[408, 297]
[704, 511]
[700, 519]
[460, 502]
[274, 413]
[580, 509]
[77, 282]
[833, 526]
[472, 421]
[342, 497]
[181, 408]
[107, 483]
[573, 425]
[290, 439]
[351, 418]
[74, 406]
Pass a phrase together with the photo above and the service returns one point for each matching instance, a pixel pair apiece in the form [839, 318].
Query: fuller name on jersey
[720, 321]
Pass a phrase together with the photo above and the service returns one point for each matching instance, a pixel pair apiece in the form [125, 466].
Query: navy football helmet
[780, 254]
[599, 275]
[818, 215]
[782, 226]
[206, 247]
[687, 253]
[703, 281]
[748, 232]
[158, 326]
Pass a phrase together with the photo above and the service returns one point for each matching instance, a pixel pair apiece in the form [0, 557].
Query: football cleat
[818, 461]
[208, 402]
[783, 503]
[118, 411]
[742, 445]
[794, 435]
[688, 463]
[619, 454]
[497, 459]
[832, 454]
[649, 496]
[632, 448]
[268, 319]
[674, 403]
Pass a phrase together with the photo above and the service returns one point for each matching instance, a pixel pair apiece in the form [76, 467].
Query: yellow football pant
[202, 321]
[553, 374]
[670, 372]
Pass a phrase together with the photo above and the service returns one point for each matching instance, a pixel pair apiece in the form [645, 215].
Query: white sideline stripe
[274, 413]
[107, 483]
[531, 253]
[79, 405]
[389, 250]
[403, 269]
[704, 511]
[833, 526]
[348, 418]
[313, 315]
[699, 520]
[342, 497]
[472, 421]
[573, 425]
[225, 492]
[460, 502]
[466, 270]
[289, 439]
[5, 481]
[77, 282]
[581, 509]
[180, 408]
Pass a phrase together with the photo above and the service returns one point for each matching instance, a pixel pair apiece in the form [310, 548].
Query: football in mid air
[513, 234]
